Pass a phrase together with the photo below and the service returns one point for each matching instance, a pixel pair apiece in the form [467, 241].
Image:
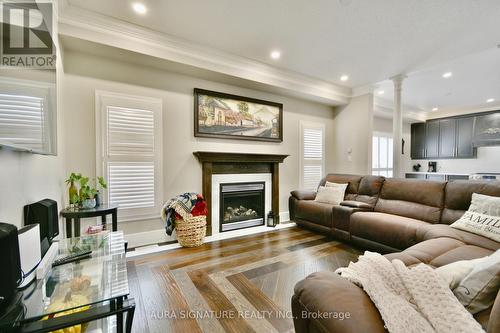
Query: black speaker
[10, 263]
[45, 213]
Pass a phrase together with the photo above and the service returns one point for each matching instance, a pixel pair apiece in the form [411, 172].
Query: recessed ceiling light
[344, 78]
[490, 100]
[447, 75]
[380, 92]
[435, 109]
[139, 8]
[276, 55]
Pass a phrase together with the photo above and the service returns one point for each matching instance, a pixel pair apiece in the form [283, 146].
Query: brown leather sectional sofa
[406, 218]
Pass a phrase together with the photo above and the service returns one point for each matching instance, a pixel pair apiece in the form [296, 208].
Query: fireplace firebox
[242, 205]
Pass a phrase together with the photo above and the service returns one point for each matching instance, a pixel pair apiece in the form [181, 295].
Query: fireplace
[234, 168]
[242, 205]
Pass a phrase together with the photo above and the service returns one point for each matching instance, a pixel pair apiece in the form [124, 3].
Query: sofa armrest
[345, 307]
[356, 204]
[304, 195]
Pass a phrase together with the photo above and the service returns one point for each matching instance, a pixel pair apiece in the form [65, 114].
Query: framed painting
[225, 116]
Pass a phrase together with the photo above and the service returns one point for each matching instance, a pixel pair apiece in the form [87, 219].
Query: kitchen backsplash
[488, 160]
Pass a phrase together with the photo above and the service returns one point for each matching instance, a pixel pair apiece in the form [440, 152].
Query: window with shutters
[26, 115]
[129, 153]
[312, 154]
[382, 155]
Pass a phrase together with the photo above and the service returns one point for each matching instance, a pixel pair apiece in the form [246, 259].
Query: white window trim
[40, 89]
[385, 135]
[104, 98]
[313, 125]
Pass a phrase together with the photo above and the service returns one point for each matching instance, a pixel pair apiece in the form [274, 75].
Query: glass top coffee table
[75, 294]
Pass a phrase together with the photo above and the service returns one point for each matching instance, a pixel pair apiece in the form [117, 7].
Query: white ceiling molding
[384, 108]
[97, 28]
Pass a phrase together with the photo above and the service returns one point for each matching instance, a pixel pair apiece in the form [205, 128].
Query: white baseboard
[284, 217]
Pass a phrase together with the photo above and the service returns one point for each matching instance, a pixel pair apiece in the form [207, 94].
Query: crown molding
[83, 24]
[384, 108]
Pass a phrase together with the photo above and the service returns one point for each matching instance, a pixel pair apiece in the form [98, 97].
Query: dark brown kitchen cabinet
[432, 139]
[465, 133]
[418, 141]
[447, 138]
[443, 138]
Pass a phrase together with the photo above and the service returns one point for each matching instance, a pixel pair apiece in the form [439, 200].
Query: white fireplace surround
[219, 179]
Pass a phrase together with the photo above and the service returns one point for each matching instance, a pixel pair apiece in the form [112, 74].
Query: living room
[215, 154]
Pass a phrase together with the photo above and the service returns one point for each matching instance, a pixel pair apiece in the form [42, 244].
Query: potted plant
[87, 196]
[87, 193]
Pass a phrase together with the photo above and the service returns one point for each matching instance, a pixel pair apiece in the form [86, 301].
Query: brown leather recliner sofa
[406, 218]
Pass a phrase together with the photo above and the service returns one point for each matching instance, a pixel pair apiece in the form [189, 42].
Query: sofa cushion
[442, 230]
[395, 231]
[313, 211]
[416, 199]
[369, 189]
[458, 194]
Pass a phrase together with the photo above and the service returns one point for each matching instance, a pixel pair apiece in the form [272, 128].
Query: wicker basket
[191, 231]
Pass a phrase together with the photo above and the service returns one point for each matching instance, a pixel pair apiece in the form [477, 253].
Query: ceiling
[475, 79]
[368, 40]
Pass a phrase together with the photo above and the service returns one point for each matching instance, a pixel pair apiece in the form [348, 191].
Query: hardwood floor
[237, 285]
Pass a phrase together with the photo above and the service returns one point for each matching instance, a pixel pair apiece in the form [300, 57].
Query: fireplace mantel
[234, 163]
[219, 157]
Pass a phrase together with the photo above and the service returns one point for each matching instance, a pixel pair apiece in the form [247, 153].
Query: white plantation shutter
[131, 153]
[313, 143]
[313, 150]
[130, 131]
[22, 121]
[132, 185]
[26, 119]
[312, 176]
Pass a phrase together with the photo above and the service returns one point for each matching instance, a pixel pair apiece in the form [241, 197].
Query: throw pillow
[485, 204]
[455, 272]
[333, 194]
[482, 218]
[478, 290]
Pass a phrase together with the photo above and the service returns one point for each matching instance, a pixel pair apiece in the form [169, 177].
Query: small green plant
[87, 191]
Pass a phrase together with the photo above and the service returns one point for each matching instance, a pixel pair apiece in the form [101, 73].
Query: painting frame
[220, 95]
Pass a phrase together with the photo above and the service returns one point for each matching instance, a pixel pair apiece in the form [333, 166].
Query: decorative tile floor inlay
[242, 284]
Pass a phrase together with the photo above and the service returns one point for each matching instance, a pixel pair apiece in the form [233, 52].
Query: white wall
[182, 172]
[352, 136]
[26, 178]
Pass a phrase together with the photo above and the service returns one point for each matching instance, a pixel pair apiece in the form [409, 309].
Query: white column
[397, 126]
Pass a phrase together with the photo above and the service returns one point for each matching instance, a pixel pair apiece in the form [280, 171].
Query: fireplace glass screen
[242, 205]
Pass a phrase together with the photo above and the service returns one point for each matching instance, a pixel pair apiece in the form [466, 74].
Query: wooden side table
[73, 216]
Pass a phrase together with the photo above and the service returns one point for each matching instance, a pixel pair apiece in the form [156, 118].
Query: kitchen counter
[439, 176]
[438, 173]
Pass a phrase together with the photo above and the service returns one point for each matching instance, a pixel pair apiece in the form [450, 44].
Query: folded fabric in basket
[182, 207]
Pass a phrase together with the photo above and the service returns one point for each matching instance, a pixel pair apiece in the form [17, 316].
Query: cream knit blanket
[409, 299]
